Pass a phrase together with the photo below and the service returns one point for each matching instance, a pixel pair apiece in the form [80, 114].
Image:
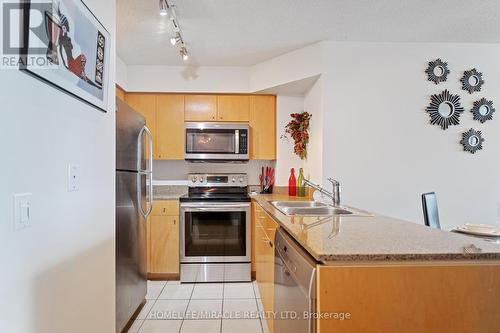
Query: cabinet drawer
[165, 207]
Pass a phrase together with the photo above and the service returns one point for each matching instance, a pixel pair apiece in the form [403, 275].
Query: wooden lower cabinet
[264, 230]
[163, 239]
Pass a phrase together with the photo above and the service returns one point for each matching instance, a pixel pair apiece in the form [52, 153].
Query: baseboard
[134, 316]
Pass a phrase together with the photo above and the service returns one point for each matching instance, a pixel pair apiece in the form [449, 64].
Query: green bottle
[301, 189]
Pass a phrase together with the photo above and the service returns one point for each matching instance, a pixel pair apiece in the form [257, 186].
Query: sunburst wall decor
[437, 71]
[472, 81]
[445, 109]
[483, 110]
[472, 141]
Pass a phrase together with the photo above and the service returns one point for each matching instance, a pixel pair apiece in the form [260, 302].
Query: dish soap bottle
[301, 189]
[292, 184]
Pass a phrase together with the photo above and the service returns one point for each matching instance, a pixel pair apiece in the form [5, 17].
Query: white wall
[285, 158]
[187, 79]
[293, 66]
[121, 73]
[58, 275]
[378, 140]
[313, 103]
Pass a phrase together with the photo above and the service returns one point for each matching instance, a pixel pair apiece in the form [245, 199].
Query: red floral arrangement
[298, 129]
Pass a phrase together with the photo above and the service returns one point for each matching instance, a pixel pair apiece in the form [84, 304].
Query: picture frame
[69, 49]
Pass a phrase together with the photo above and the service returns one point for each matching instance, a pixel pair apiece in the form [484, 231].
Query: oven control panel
[218, 180]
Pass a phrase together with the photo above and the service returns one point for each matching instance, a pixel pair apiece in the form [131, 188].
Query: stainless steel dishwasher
[294, 286]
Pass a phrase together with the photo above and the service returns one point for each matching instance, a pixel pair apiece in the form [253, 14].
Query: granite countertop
[374, 238]
[168, 192]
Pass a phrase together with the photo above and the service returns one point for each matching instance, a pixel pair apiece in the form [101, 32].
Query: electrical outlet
[73, 178]
[22, 210]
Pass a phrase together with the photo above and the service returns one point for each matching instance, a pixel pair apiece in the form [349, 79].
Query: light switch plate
[73, 178]
[22, 210]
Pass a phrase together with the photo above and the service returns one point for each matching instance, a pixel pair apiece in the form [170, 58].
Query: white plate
[493, 232]
[480, 227]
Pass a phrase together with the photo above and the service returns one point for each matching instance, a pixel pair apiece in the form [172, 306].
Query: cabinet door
[120, 93]
[200, 108]
[170, 127]
[263, 127]
[164, 244]
[233, 108]
[145, 104]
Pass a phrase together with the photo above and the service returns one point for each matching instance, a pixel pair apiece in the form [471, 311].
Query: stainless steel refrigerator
[133, 205]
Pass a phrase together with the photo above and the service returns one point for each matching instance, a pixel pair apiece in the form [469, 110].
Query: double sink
[311, 208]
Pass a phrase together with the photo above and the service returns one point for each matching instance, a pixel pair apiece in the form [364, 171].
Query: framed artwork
[66, 46]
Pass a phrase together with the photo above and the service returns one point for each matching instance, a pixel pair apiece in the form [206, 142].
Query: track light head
[184, 53]
[176, 39]
[163, 8]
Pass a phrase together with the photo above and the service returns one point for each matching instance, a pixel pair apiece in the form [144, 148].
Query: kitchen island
[367, 266]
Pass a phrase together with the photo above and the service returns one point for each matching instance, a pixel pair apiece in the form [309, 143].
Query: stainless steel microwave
[214, 142]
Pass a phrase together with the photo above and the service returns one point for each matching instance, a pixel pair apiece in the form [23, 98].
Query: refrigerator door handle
[149, 181]
[148, 171]
[149, 167]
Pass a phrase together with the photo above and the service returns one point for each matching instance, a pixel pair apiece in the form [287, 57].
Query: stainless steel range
[215, 229]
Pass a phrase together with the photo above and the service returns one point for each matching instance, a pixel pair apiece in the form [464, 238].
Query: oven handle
[213, 208]
[200, 204]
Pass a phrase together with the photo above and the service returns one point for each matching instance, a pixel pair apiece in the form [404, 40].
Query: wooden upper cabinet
[170, 127]
[200, 108]
[120, 93]
[263, 127]
[145, 104]
[233, 108]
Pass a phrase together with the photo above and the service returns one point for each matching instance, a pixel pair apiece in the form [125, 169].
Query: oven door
[216, 141]
[215, 232]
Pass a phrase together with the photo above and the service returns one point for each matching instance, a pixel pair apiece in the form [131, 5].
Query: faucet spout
[335, 195]
[336, 198]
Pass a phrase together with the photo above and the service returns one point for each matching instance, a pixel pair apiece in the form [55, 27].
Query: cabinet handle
[270, 244]
[174, 221]
[164, 209]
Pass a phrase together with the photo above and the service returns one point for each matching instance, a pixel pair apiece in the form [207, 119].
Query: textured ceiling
[245, 32]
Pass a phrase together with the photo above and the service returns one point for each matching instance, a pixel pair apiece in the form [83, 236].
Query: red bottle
[292, 184]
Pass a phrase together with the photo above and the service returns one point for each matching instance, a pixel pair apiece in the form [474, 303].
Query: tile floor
[172, 307]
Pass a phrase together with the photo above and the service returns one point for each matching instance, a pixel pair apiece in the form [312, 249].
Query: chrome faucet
[335, 194]
[336, 197]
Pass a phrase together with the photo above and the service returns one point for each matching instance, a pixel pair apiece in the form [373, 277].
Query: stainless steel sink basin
[315, 211]
[297, 204]
[310, 208]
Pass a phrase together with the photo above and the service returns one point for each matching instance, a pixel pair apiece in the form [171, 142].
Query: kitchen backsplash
[178, 170]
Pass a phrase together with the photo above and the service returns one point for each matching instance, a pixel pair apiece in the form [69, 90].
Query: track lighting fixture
[167, 9]
[184, 53]
[163, 8]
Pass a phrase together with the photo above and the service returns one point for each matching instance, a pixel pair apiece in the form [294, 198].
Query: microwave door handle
[237, 141]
